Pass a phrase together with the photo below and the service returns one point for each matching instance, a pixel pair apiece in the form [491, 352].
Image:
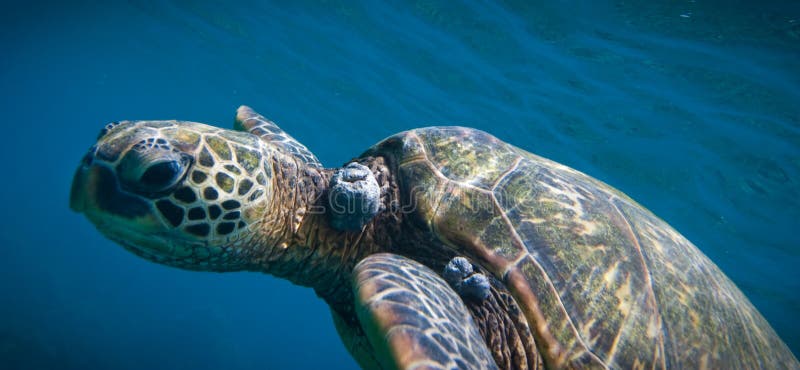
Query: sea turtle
[439, 247]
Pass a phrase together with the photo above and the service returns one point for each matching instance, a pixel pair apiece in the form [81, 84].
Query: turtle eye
[161, 175]
[153, 171]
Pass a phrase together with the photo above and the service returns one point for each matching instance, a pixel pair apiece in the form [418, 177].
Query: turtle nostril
[106, 129]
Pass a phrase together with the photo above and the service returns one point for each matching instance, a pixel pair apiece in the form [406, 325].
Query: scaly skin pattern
[195, 214]
[390, 287]
[198, 197]
[581, 276]
[602, 281]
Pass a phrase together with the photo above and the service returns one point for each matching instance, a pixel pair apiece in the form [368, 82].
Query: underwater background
[690, 107]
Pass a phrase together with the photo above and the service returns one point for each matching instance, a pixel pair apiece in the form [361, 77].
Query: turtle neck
[296, 241]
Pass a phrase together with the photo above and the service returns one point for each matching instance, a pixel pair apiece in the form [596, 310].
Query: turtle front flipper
[248, 120]
[413, 319]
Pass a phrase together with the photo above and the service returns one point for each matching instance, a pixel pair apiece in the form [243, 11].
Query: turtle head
[179, 193]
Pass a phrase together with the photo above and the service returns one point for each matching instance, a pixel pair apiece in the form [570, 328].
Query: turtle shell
[603, 282]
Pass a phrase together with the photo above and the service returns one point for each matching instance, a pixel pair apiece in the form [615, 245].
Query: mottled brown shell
[603, 282]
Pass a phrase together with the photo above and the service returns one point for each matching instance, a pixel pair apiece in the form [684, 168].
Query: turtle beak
[80, 182]
[77, 199]
[97, 193]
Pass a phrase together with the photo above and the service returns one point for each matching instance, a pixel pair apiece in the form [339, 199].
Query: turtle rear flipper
[413, 319]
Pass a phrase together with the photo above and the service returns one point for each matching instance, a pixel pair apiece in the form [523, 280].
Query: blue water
[690, 107]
